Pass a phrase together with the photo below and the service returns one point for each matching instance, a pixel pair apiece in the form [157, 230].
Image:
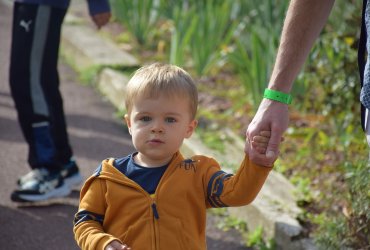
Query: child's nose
[157, 127]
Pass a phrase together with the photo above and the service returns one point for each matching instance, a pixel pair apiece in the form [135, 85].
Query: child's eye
[170, 120]
[145, 119]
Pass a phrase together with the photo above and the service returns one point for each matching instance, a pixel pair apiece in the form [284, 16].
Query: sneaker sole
[56, 193]
[73, 180]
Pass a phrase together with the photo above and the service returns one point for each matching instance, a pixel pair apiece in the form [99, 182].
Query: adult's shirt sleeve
[98, 6]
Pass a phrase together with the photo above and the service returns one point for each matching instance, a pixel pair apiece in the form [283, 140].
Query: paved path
[95, 133]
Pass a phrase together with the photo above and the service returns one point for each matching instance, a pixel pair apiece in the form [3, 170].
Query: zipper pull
[155, 212]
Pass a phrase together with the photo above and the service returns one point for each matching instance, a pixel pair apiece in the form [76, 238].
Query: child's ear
[192, 125]
[128, 123]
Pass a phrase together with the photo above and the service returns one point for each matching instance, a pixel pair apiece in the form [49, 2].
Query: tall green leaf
[139, 17]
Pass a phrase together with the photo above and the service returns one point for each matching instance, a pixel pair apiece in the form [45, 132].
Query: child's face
[158, 127]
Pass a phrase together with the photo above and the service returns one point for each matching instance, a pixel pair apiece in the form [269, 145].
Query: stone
[100, 52]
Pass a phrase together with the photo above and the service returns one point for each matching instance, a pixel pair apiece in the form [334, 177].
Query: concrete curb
[275, 207]
[89, 50]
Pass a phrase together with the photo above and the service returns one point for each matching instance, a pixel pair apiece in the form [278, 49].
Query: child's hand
[261, 141]
[116, 245]
[258, 146]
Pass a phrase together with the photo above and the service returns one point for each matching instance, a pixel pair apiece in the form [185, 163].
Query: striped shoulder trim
[85, 215]
[98, 170]
[215, 188]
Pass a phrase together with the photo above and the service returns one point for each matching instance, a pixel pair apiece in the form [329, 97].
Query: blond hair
[157, 79]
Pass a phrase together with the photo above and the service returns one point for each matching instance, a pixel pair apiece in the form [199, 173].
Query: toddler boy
[155, 198]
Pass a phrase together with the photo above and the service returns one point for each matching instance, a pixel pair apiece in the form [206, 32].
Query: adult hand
[101, 19]
[271, 116]
[116, 245]
[257, 147]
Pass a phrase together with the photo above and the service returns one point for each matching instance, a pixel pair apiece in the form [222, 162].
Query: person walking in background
[34, 85]
[155, 198]
[303, 24]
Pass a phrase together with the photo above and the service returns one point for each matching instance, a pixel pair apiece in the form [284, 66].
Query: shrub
[350, 227]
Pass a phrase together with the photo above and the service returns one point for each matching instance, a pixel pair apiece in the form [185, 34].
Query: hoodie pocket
[172, 235]
[139, 236]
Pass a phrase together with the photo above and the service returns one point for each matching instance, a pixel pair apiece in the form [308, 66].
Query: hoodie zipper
[153, 206]
[155, 225]
[153, 200]
[153, 203]
[155, 211]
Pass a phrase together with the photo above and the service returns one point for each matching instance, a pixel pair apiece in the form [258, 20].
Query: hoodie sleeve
[226, 190]
[98, 6]
[88, 222]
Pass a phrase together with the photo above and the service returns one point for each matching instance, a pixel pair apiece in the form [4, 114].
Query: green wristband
[277, 96]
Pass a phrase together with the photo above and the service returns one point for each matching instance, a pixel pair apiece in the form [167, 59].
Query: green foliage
[229, 222]
[248, 60]
[349, 228]
[329, 84]
[212, 139]
[252, 55]
[255, 240]
[333, 183]
[358, 177]
[255, 237]
[330, 80]
[215, 26]
[88, 75]
[222, 211]
[139, 17]
[200, 31]
[358, 215]
[183, 28]
[302, 184]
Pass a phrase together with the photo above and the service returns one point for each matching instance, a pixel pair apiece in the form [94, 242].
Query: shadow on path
[38, 227]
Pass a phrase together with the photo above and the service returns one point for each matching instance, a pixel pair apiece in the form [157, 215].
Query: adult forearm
[303, 24]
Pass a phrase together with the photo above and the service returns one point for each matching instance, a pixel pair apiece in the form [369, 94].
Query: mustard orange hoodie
[113, 207]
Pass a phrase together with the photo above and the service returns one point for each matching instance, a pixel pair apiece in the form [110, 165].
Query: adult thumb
[273, 146]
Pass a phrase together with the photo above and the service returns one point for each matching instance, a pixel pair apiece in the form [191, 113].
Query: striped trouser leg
[34, 83]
